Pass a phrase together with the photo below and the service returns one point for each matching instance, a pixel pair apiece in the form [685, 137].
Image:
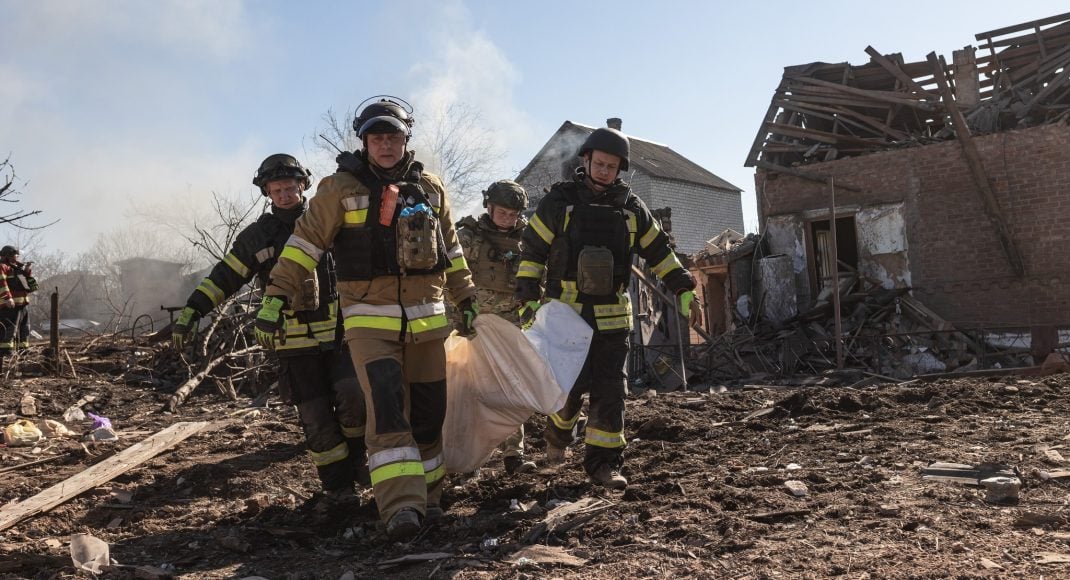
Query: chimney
[613, 123]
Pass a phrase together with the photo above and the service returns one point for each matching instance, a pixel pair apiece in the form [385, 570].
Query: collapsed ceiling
[1018, 76]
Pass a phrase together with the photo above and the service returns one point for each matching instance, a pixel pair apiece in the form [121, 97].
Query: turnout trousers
[405, 388]
[604, 379]
[14, 329]
[331, 408]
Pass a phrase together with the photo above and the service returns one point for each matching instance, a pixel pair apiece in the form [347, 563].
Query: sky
[131, 114]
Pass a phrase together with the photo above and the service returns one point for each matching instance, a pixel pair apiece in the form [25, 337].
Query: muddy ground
[707, 497]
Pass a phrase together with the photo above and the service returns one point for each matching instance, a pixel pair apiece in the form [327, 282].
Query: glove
[185, 328]
[527, 312]
[469, 310]
[690, 307]
[269, 322]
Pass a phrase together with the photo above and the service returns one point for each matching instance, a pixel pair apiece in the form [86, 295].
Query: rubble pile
[224, 355]
[887, 335]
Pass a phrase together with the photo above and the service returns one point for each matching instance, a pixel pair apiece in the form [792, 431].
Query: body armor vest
[594, 251]
[371, 250]
[495, 258]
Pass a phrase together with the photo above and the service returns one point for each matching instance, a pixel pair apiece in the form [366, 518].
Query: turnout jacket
[16, 284]
[572, 218]
[378, 300]
[253, 254]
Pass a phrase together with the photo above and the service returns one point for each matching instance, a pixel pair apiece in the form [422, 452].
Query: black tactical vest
[370, 251]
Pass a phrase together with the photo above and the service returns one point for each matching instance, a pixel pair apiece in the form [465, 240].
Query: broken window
[820, 254]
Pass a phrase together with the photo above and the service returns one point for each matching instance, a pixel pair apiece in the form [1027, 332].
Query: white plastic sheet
[89, 553]
[562, 338]
[499, 378]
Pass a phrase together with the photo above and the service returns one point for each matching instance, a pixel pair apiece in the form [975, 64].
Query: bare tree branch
[452, 140]
[215, 240]
[8, 193]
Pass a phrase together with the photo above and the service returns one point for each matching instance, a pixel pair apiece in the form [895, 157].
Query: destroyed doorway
[819, 251]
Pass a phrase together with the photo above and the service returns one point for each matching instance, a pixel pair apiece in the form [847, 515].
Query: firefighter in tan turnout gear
[492, 247]
[390, 227]
[315, 373]
[582, 238]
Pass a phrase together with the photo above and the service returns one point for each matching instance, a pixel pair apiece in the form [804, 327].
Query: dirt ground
[707, 497]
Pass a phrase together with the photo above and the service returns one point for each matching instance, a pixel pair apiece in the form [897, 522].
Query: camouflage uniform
[493, 256]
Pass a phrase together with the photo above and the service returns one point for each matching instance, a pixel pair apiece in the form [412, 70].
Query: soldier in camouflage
[492, 247]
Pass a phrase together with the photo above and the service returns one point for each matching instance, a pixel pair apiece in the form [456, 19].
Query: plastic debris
[89, 553]
[22, 433]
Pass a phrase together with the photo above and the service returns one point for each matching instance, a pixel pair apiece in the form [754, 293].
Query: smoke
[96, 108]
[470, 72]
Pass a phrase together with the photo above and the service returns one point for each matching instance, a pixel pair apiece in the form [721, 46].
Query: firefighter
[492, 247]
[582, 237]
[315, 372]
[16, 283]
[390, 227]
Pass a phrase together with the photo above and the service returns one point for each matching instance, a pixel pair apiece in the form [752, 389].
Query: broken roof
[1018, 77]
[652, 158]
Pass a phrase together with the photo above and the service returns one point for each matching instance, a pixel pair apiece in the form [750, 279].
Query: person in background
[16, 284]
[491, 245]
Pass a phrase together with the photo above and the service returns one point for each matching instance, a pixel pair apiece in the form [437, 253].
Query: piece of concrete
[1002, 489]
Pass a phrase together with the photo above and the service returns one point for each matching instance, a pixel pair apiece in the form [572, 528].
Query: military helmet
[281, 166]
[610, 141]
[506, 193]
[8, 251]
[387, 115]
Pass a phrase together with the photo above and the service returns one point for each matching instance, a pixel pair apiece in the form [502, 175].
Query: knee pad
[388, 395]
[428, 410]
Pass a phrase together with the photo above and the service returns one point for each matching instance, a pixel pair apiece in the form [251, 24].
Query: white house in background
[703, 205]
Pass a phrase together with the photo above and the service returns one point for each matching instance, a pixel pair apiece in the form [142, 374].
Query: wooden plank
[821, 136]
[977, 169]
[898, 73]
[99, 473]
[763, 134]
[885, 96]
[1022, 26]
[803, 175]
[849, 116]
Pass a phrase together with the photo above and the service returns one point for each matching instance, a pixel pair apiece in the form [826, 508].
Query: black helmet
[506, 193]
[610, 141]
[8, 251]
[281, 166]
[388, 115]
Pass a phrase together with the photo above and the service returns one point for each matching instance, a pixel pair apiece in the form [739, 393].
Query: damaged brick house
[953, 181]
[692, 204]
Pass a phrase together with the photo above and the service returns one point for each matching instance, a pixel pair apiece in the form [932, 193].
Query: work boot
[609, 478]
[404, 525]
[516, 464]
[554, 455]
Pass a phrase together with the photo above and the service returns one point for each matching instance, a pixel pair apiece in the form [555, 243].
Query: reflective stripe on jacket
[391, 307]
[547, 242]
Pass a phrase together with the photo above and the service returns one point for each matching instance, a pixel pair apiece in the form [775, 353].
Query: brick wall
[958, 268]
